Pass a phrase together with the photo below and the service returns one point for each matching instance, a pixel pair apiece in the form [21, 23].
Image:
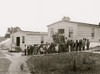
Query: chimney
[65, 19]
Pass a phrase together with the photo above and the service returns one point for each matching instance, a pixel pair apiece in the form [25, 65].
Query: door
[17, 41]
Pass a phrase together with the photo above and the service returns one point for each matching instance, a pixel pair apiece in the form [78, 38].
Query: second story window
[70, 32]
[93, 32]
[23, 39]
[61, 31]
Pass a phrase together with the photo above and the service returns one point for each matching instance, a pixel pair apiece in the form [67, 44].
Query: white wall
[62, 25]
[33, 39]
[85, 32]
[19, 34]
[29, 39]
[97, 34]
[80, 31]
[45, 39]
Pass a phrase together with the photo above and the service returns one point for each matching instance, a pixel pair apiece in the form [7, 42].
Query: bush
[63, 63]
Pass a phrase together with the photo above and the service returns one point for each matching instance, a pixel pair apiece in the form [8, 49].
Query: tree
[11, 30]
[7, 35]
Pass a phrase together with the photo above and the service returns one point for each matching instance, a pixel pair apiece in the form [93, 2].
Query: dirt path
[93, 50]
[18, 63]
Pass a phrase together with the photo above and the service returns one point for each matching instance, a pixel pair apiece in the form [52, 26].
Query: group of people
[67, 46]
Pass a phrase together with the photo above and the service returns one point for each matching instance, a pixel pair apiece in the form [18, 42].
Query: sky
[35, 15]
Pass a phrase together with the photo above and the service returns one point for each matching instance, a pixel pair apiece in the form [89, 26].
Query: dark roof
[30, 32]
[33, 32]
[79, 23]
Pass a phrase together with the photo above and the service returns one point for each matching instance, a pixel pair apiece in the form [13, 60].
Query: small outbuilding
[22, 38]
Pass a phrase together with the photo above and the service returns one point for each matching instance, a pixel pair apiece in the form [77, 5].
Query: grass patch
[1, 54]
[65, 63]
[4, 65]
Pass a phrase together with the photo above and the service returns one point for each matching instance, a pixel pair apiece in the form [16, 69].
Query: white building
[22, 38]
[74, 30]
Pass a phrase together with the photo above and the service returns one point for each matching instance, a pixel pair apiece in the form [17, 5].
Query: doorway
[17, 41]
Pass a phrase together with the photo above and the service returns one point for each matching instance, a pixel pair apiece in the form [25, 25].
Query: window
[23, 39]
[92, 32]
[61, 31]
[70, 32]
[52, 31]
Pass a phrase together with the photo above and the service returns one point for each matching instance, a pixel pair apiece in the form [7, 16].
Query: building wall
[62, 25]
[45, 38]
[29, 39]
[84, 31]
[35, 39]
[18, 34]
[80, 31]
[97, 34]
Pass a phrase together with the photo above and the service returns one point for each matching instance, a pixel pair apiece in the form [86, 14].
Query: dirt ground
[4, 64]
[18, 63]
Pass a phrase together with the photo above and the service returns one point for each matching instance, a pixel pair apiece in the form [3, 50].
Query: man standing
[80, 45]
[88, 44]
[83, 44]
[25, 49]
[30, 50]
[76, 45]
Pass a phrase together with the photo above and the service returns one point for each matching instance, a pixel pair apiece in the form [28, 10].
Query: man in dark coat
[28, 50]
[72, 45]
[80, 45]
[25, 49]
[76, 45]
[83, 44]
[68, 45]
[88, 44]
[31, 49]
